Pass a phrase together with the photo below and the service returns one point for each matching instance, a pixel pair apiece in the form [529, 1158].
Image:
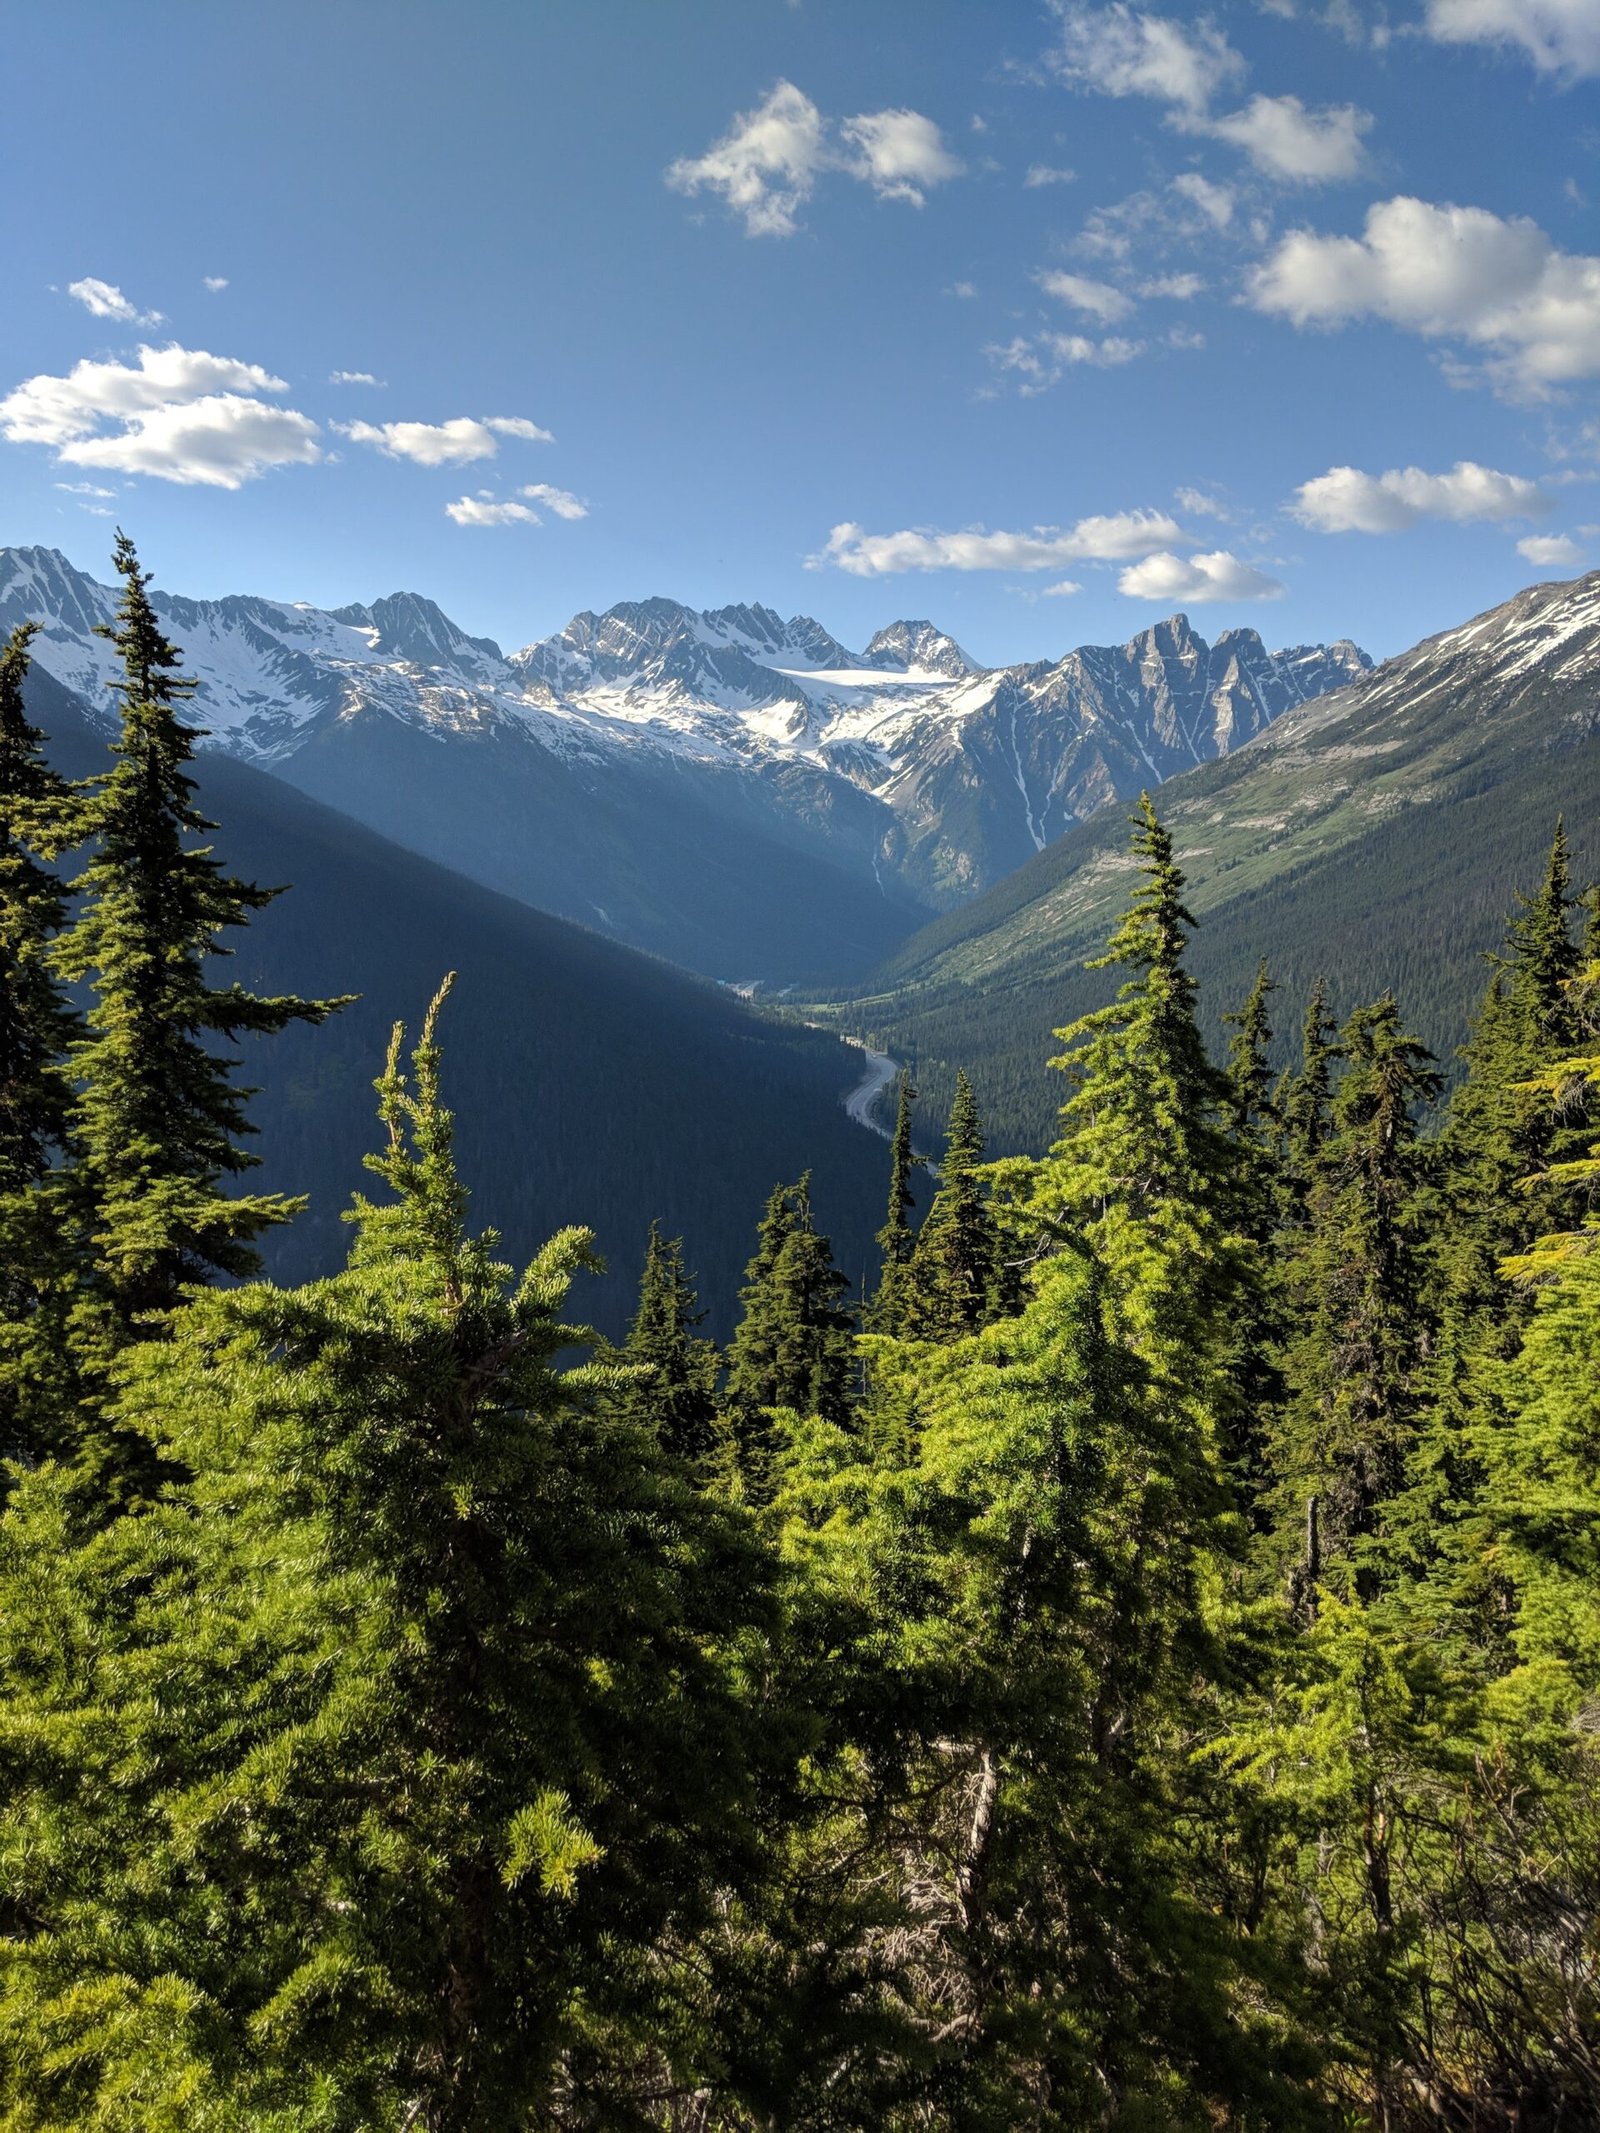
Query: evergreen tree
[1305, 1100]
[384, 1773]
[951, 1278]
[158, 1119]
[674, 1392]
[38, 1270]
[1356, 1290]
[1507, 1131]
[1144, 1174]
[1255, 1126]
[793, 1345]
[897, 1237]
[36, 1024]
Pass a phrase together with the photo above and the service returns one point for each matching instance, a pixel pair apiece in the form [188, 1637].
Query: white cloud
[1122, 51]
[1047, 174]
[1285, 140]
[1043, 361]
[1448, 272]
[219, 442]
[1179, 287]
[1200, 504]
[1550, 551]
[84, 488]
[899, 154]
[964, 289]
[1344, 500]
[1559, 36]
[1098, 298]
[353, 377]
[1197, 578]
[455, 443]
[766, 167]
[1106, 539]
[52, 410]
[561, 501]
[484, 511]
[180, 414]
[216, 283]
[105, 300]
[1215, 202]
[1063, 589]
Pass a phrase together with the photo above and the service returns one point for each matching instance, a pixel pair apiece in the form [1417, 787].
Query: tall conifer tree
[675, 1392]
[950, 1281]
[897, 1237]
[793, 1345]
[1356, 1291]
[158, 1119]
[1143, 1172]
[38, 1264]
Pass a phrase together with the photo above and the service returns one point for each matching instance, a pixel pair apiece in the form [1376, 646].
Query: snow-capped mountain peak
[921, 647]
[906, 760]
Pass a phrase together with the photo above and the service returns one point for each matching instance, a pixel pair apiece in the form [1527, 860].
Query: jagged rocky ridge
[906, 767]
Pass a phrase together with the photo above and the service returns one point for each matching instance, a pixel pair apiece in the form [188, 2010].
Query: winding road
[876, 1076]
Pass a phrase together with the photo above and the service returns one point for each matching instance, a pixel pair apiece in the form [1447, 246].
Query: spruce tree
[793, 1346]
[389, 1770]
[1306, 1097]
[897, 1237]
[1356, 1290]
[158, 1118]
[951, 1277]
[38, 1263]
[674, 1390]
[1507, 1131]
[36, 1024]
[1143, 1173]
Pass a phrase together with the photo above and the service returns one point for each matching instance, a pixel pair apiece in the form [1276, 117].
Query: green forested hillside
[1145, 1678]
[1367, 839]
[594, 1082]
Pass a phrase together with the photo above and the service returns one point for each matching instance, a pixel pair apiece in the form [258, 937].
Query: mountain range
[1377, 836]
[740, 793]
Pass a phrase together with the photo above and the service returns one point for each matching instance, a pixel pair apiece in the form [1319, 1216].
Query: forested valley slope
[1140, 1669]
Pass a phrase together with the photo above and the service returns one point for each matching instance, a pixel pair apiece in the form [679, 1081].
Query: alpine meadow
[776, 1376]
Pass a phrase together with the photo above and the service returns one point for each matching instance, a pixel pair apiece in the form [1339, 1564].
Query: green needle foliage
[673, 1390]
[416, 1708]
[1149, 1680]
[792, 1349]
[952, 1277]
[38, 1269]
[897, 1236]
[158, 1118]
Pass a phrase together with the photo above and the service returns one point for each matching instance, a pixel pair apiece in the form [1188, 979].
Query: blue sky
[1283, 311]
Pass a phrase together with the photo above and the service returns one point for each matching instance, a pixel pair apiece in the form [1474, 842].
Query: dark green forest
[1141, 1670]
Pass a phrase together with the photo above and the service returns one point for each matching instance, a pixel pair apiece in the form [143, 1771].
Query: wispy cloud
[1108, 538]
[354, 377]
[485, 509]
[1096, 298]
[216, 283]
[1559, 36]
[455, 443]
[105, 300]
[1047, 174]
[1122, 51]
[766, 167]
